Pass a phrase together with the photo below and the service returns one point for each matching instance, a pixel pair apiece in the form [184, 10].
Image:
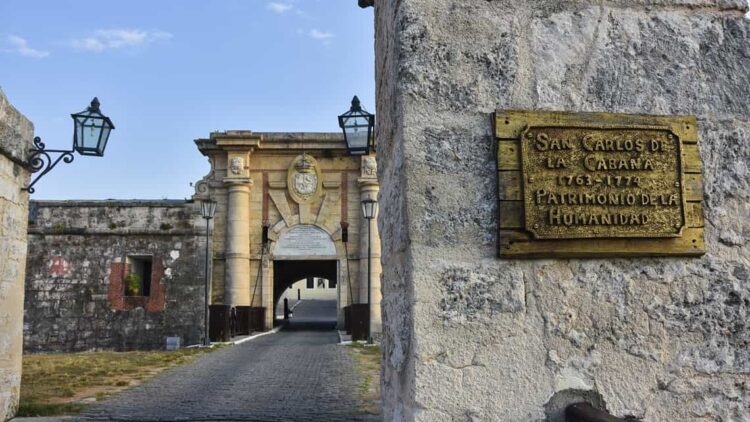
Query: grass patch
[27, 409]
[368, 360]
[56, 384]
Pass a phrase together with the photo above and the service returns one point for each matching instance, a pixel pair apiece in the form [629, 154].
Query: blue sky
[170, 71]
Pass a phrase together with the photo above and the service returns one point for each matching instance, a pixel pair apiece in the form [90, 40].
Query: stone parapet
[80, 253]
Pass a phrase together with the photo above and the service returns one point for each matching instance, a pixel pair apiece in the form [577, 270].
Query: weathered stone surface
[78, 252]
[469, 337]
[16, 134]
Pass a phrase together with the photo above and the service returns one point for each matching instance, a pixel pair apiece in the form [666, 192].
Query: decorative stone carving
[369, 166]
[304, 180]
[202, 186]
[236, 165]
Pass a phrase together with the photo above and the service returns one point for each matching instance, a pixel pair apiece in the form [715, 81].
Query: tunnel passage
[314, 316]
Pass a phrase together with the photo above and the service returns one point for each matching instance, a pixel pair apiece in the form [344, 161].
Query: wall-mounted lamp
[91, 130]
[358, 126]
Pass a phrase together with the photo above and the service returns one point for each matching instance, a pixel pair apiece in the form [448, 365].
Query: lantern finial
[94, 105]
[355, 104]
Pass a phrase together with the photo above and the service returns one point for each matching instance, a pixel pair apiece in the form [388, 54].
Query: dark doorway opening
[309, 314]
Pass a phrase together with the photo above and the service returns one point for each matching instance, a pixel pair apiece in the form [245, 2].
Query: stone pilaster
[369, 188]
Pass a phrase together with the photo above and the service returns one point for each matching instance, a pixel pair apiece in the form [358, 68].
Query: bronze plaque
[589, 182]
[598, 184]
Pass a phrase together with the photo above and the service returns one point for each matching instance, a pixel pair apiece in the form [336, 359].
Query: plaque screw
[531, 179]
[536, 226]
[677, 184]
[677, 226]
[529, 135]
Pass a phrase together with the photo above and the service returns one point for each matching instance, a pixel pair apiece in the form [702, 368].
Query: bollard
[286, 308]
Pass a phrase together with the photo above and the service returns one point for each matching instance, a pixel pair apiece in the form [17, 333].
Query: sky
[170, 71]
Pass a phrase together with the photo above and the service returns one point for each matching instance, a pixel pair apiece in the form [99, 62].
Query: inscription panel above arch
[305, 240]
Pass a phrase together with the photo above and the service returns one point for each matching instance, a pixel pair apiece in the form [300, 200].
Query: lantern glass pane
[369, 208]
[78, 139]
[91, 134]
[357, 131]
[208, 208]
[105, 136]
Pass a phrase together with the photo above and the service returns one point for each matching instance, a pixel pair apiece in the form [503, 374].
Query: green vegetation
[63, 384]
[133, 284]
[368, 360]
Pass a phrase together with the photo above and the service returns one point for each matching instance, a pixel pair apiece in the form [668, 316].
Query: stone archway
[301, 251]
[273, 188]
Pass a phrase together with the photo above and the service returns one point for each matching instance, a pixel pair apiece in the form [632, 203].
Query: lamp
[208, 211]
[369, 211]
[91, 130]
[358, 125]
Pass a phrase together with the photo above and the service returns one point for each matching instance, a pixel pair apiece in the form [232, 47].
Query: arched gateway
[289, 208]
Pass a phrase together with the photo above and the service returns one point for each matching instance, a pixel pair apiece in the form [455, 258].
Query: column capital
[238, 181]
[368, 183]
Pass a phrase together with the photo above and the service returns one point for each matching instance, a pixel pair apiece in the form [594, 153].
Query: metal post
[369, 280]
[206, 339]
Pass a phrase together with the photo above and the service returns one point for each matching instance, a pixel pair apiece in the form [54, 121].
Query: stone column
[237, 275]
[369, 187]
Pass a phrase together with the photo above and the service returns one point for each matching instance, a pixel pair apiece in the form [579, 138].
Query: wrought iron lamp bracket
[40, 161]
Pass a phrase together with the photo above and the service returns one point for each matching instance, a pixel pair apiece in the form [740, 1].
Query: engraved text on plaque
[583, 182]
[598, 185]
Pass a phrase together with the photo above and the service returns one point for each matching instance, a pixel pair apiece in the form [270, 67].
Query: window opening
[138, 280]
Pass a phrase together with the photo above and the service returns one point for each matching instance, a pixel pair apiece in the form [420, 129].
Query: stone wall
[79, 255]
[16, 134]
[468, 336]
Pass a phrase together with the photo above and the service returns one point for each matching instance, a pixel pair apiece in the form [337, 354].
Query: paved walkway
[299, 374]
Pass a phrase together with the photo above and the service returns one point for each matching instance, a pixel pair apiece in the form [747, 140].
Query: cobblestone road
[295, 375]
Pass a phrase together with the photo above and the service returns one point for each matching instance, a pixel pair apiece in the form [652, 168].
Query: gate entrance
[289, 207]
[316, 313]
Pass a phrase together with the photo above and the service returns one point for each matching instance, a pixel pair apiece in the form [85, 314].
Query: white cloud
[104, 39]
[21, 46]
[279, 7]
[321, 35]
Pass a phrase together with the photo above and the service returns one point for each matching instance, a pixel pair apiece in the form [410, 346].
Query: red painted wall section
[116, 292]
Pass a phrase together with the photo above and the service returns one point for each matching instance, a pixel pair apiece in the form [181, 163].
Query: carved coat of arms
[303, 178]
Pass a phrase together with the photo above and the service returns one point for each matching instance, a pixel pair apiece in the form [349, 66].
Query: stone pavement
[299, 374]
[313, 315]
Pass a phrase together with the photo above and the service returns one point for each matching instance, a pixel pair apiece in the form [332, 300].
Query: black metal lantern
[369, 212]
[369, 208]
[208, 209]
[92, 130]
[358, 126]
